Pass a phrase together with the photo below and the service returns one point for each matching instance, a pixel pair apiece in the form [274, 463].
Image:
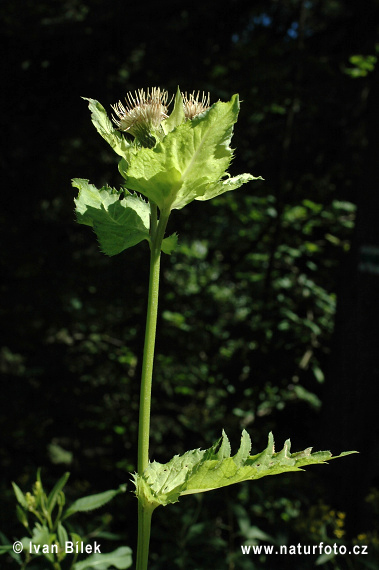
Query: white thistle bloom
[193, 105]
[142, 114]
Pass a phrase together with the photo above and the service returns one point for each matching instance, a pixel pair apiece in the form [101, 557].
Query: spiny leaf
[190, 162]
[198, 471]
[224, 449]
[118, 224]
[222, 186]
[105, 128]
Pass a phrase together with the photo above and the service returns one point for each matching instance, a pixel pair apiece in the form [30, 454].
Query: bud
[30, 501]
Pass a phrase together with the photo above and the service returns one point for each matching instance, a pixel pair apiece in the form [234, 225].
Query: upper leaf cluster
[188, 162]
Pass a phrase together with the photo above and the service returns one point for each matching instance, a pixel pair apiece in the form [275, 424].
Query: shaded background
[269, 308]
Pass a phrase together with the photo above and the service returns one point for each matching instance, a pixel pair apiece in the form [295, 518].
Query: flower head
[193, 105]
[142, 114]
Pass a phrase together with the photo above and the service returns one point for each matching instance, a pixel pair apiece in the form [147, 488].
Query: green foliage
[104, 127]
[92, 502]
[198, 471]
[119, 222]
[190, 162]
[51, 538]
[361, 65]
[119, 558]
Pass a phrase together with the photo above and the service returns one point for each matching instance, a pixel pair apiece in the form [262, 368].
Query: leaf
[177, 116]
[62, 534]
[105, 128]
[120, 558]
[93, 501]
[198, 471]
[118, 224]
[21, 515]
[6, 546]
[19, 495]
[52, 498]
[169, 243]
[226, 185]
[190, 162]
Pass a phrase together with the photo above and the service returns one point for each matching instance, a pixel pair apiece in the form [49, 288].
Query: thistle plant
[167, 160]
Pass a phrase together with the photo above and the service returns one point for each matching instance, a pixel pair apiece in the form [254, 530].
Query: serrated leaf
[93, 501]
[224, 447]
[161, 484]
[118, 224]
[244, 450]
[169, 244]
[226, 185]
[189, 163]
[120, 558]
[198, 471]
[105, 128]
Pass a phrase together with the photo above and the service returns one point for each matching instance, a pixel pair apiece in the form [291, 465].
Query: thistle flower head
[142, 114]
[193, 105]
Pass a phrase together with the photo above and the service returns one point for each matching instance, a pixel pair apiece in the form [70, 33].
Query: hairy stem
[157, 230]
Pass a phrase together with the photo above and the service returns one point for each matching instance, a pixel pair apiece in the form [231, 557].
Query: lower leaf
[198, 471]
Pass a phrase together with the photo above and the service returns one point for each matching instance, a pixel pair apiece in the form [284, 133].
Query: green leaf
[21, 515]
[62, 534]
[190, 162]
[169, 243]
[6, 546]
[198, 471]
[226, 185]
[52, 498]
[177, 116]
[93, 501]
[118, 223]
[120, 558]
[105, 128]
[41, 536]
[19, 495]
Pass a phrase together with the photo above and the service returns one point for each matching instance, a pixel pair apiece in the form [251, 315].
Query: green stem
[157, 230]
[144, 527]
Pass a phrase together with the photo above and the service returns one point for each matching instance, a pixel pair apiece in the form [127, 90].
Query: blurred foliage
[51, 537]
[248, 301]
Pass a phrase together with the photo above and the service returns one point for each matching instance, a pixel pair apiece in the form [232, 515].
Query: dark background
[268, 310]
